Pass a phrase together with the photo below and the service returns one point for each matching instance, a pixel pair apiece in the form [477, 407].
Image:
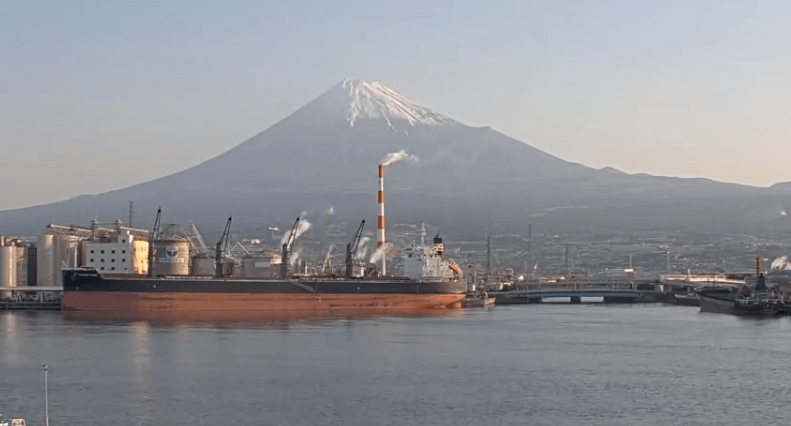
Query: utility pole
[529, 251]
[46, 398]
[568, 266]
[488, 258]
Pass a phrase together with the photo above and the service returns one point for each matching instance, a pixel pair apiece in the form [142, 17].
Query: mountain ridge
[327, 153]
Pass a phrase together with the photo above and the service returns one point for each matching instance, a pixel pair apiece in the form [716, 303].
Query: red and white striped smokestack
[380, 231]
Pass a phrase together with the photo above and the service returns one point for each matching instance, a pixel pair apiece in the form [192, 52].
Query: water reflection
[141, 369]
[10, 335]
[237, 319]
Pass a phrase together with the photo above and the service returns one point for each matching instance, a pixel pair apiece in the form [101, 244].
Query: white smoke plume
[781, 263]
[302, 228]
[362, 248]
[399, 157]
[293, 259]
[378, 254]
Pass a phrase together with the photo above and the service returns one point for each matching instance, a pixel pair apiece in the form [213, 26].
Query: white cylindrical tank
[171, 257]
[202, 265]
[21, 266]
[7, 268]
[65, 249]
[45, 257]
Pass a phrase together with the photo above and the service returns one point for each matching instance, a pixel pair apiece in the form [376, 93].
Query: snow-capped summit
[371, 99]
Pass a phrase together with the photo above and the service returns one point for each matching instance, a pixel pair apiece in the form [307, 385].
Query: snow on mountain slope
[327, 153]
[360, 99]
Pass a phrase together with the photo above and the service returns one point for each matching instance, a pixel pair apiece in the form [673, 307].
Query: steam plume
[781, 263]
[302, 228]
[362, 248]
[399, 157]
[378, 254]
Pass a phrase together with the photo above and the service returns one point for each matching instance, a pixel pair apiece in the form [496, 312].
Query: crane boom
[154, 237]
[351, 249]
[222, 247]
[195, 234]
[288, 246]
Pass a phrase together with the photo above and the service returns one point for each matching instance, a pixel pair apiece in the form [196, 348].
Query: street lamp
[46, 398]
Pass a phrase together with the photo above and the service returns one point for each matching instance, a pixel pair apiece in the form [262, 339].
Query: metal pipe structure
[380, 232]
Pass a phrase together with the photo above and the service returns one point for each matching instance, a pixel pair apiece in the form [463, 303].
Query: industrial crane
[222, 247]
[288, 246]
[351, 249]
[195, 235]
[154, 237]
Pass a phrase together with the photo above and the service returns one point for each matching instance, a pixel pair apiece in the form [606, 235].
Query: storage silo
[171, 257]
[45, 257]
[31, 265]
[7, 269]
[21, 266]
[256, 266]
[65, 250]
[203, 266]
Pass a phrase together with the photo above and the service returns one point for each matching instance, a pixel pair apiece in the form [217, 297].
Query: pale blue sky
[130, 91]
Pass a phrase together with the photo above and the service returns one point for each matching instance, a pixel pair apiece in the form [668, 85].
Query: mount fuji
[467, 179]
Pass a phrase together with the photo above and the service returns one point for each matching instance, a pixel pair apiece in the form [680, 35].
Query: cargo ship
[429, 282]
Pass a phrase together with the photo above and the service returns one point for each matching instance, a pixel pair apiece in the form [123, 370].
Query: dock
[31, 298]
[29, 306]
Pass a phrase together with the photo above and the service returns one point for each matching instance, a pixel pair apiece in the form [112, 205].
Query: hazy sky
[100, 95]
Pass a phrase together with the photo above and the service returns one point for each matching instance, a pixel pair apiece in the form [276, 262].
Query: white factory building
[125, 255]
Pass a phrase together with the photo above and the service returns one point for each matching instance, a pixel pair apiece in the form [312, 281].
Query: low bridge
[575, 292]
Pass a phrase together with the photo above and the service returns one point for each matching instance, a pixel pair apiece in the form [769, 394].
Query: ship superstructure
[426, 263]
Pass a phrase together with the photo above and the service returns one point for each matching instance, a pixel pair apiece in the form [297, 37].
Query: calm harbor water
[551, 364]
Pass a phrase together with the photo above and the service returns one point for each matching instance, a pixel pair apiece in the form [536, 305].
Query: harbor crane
[154, 237]
[195, 236]
[288, 247]
[351, 249]
[222, 247]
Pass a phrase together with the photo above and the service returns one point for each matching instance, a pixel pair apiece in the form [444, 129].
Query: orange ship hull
[214, 302]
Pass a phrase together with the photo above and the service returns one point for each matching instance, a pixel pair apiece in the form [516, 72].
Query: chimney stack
[380, 231]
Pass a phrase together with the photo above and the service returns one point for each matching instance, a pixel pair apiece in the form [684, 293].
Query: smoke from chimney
[390, 159]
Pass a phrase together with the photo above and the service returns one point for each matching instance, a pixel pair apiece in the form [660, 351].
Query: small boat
[11, 422]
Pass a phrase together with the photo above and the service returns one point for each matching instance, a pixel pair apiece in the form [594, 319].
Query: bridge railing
[579, 285]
